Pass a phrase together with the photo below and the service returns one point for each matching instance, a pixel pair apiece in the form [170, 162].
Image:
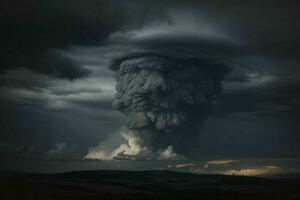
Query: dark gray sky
[56, 88]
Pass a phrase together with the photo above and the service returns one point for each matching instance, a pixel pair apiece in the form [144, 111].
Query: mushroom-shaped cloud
[165, 98]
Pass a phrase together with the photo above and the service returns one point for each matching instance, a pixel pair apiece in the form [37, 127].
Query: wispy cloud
[219, 162]
[184, 165]
[256, 171]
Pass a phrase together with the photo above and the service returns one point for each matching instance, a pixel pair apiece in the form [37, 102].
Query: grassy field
[143, 185]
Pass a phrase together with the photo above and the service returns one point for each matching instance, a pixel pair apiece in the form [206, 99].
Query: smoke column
[165, 98]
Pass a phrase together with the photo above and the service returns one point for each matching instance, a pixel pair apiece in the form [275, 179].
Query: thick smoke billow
[166, 98]
[133, 149]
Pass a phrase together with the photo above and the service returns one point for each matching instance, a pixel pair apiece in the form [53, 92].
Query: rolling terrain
[106, 184]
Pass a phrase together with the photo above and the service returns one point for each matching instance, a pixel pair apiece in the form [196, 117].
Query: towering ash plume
[166, 98]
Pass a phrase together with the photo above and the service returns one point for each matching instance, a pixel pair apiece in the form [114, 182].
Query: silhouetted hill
[147, 180]
[108, 184]
[285, 176]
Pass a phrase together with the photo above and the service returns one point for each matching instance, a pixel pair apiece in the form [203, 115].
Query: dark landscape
[106, 184]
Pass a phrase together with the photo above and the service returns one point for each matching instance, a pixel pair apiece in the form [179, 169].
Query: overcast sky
[56, 87]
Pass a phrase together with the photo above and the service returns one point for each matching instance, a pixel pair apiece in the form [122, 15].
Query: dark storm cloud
[261, 27]
[261, 83]
[30, 29]
[266, 26]
[51, 64]
[85, 97]
[258, 40]
[42, 24]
